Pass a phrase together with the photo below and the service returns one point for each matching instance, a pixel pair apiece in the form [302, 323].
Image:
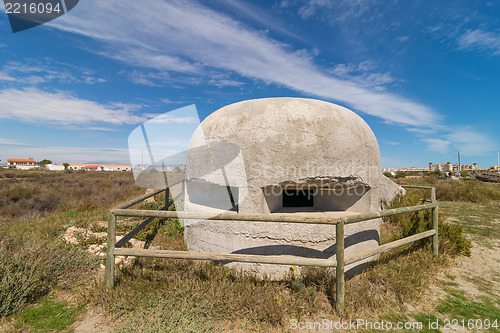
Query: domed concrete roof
[245, 156]
[291, 140]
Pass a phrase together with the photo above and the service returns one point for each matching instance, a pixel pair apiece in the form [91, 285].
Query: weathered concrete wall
[283, 143]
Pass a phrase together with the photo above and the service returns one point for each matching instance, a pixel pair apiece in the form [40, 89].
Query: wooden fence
[115, 248]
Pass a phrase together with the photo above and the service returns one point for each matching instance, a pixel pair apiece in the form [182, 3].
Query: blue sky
[425, 75]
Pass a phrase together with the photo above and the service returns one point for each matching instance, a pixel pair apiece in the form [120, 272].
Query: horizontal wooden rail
[418, 186]
[388, 212]
[262, 259]
[389, 246]
[143, 197]
[141, 226]
[271, 217]
[135, 231]
[225, 216]
[339, 262]
[134, 201]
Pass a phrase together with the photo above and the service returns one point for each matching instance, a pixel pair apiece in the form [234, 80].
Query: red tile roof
[20, 160]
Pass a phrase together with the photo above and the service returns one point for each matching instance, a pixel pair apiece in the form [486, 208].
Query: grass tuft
[463, 307]
[50, 315]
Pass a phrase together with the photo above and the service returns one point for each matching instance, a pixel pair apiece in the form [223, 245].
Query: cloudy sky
[425, 75]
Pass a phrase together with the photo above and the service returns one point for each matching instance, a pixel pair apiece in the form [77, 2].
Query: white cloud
[254, 14]
[438, 145]
[61, 154]
[4, 76]
[33, 72]
[36, 105]
[480, 40]
[93, 80]
[5, 141]
[310, 8]
[22, 149]
[336, 11]
[392, 143]
[363, 74]
[225, 83]
[470, 142]
[154, 60]
[168, 101]
[146, 79]
[190, 38]
[466, 140]
[168, 119]
[93, 128]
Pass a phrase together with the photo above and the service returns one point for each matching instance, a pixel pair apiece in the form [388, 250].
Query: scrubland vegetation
[35, 206]
[29, 195]
[181, 295]
[466, 190]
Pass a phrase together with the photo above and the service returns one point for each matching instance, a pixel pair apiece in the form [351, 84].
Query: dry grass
[180, 295]
[29, 195]
[398, 278]
[464, 190]
[203, 294]
[198, 296]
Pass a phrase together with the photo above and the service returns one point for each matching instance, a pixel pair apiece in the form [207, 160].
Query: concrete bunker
[283, 156]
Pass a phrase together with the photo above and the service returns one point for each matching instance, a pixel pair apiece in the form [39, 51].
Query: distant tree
[177, 169]
[66, 166]
[43, 163]
[436, 174]
[400, 174]
[388, 174]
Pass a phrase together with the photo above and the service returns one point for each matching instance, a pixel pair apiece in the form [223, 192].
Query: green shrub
[30, 269]
[452, 240]
[17, 193]
[435, 174]
[400, 174]
[404, 225]
[410, 223]
[173, 228]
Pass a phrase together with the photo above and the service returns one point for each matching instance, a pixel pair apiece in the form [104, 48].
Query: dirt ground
[477, 275]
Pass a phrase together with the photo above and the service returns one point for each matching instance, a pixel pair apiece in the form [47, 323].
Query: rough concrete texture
[263, 148]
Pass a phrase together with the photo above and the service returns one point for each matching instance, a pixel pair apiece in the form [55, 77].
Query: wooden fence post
[110, 257]
[167, 197]
[339, 240]
[435, 223]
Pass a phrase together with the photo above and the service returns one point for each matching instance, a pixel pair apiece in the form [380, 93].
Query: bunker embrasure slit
[298, 198]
